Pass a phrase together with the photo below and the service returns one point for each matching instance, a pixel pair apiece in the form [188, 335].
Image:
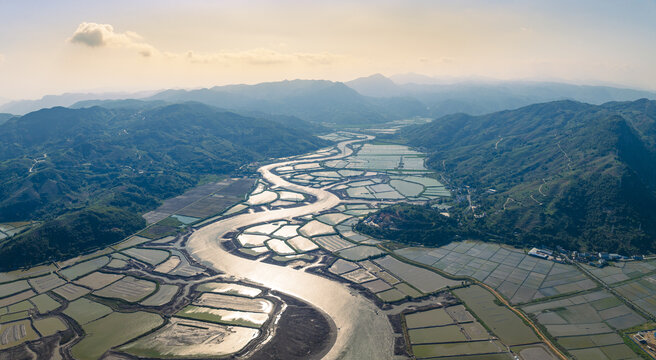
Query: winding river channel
[363, 331]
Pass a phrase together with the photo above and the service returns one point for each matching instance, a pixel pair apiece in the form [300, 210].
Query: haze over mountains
[22, 107]
[481, 97]
[371, 99]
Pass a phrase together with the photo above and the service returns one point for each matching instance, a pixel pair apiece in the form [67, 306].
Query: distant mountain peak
[376, 85]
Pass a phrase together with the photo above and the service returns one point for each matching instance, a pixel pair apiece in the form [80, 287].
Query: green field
[84, 310]
[102, 334]
[505, 324]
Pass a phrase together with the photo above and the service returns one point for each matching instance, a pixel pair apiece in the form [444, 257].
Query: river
[363, 330]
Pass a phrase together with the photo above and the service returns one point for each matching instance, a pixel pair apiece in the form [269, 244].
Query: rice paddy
[71, 292]
[280, 247]
[360, 252]
[164, 295]
[167, 266]
[203, 201]
[9, 300]
[341, 266]
[13, 288]
[223, 316]
[252, 240]
[435, 317]
[231, 302]
[641, 291]
[302, 244]
[81, 269]
[459, 349]
[101, 334]
[84, 310]
[129, 289]
[333, 243]
[332, 218]
[45, 283]
[287, 231]
[229, 289]
[17, 332]
[585, 324]
[315, 228]
[98, 280]
[518, 277]
[505, 324]
[49, 326]
[424, 280]
[44, 303]
[149, 256]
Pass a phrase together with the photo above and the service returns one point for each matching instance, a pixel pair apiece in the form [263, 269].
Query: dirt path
[569, 161]
[496, 145]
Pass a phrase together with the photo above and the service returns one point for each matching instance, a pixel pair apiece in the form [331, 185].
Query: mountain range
[67, 167]
[561, 173]
[367, 100]
[476, 97]
[22, 107]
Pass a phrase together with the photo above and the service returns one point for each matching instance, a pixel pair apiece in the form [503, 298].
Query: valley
[249, 280]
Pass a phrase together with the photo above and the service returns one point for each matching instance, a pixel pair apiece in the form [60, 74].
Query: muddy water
[363, 331]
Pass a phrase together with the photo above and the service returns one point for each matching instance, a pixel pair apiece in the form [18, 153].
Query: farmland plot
[17, 332]
[101, 334]
[223, 316]
[49, 326]
[98, 280]
[316, 228]
[221, 301]
[128, 288]
[504, 323]
[422, 279]
[13, 288]
[163, 296]
[149, 256]
[44, 303]
[70, 291]
[190, 338]
[229, 289]
[46, 283]
[84, 310]
[81, 269]
[584, 324]
[280, 247]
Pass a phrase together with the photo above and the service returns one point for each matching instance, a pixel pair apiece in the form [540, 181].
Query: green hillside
[61, 161]
[560, 173]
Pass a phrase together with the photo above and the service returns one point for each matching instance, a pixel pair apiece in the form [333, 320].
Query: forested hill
[560, 173]
[124, 161]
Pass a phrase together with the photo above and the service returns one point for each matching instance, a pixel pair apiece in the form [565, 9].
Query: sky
[52, 47]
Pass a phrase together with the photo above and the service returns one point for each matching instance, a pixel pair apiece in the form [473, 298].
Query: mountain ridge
[562, 173]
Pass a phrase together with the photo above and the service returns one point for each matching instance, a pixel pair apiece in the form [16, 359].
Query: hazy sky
[51, 47]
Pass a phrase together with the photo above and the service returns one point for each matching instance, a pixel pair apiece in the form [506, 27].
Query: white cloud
[103, 35]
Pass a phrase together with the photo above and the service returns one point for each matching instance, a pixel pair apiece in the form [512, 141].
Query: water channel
[363, 330]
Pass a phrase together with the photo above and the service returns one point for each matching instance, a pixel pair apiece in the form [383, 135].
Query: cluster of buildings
[561, 255]
[647, 339]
